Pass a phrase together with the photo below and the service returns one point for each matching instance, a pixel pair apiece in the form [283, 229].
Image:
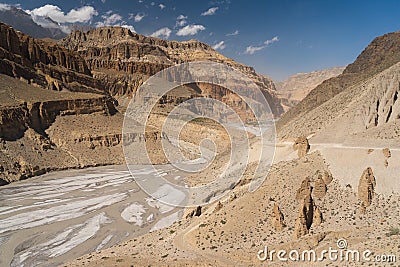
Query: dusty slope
[381, 53]
[231, 233]
[296, 87]
[368, 111]
[342, 189]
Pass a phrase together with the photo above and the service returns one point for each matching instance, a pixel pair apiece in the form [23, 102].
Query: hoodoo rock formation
[302, 146]
[277, 218]
[304, 190]
[319, 190]
[366, 187]
[317, 219]
[387, 154]
[305, 217]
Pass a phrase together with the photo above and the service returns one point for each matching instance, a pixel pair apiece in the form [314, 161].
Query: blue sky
[278, 38]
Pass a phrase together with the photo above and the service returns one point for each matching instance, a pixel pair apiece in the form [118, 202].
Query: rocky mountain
[360, 99]
[48, 97]
[296, 87]
[115, 54]
[43, 63]
[23, 22]
[338, 180]
[50, 93]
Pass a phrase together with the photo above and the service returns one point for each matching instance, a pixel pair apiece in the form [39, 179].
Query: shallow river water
[54, 218]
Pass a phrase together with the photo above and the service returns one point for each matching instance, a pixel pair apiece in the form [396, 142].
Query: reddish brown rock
[134, 57]
[43, 63]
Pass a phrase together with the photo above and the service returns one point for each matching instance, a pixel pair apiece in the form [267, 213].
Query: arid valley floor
[71, 196]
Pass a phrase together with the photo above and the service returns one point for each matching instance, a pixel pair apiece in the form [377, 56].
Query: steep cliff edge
[27, 113]
[136, 57]
[44, 63]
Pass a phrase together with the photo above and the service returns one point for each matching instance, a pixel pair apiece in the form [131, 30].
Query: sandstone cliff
[135, 57]
[28, 145]
[44, 63]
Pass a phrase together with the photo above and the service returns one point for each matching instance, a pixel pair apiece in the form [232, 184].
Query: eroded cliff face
[58, 107]
[28, 147]
[43, 63]
[135, 57]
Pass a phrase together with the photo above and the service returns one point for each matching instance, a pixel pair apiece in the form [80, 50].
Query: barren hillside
[296, 87]
[380, 54]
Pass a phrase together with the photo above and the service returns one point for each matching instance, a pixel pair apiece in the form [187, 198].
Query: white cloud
[162, 6]
[211, 11]
[103, 1]
[130, 27]
[233, 33]
[4, 7]
[110, 19]
[221, 46]
[190, 30]
[252, 49]
[181, 21]
[82, 14]
[162, 33]
[271, 41]
[138, 17]
[152, 3]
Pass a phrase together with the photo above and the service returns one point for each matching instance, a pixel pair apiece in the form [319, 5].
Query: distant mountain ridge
[296, 87]
[22, 21]
[382, 53]
[360, 102]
